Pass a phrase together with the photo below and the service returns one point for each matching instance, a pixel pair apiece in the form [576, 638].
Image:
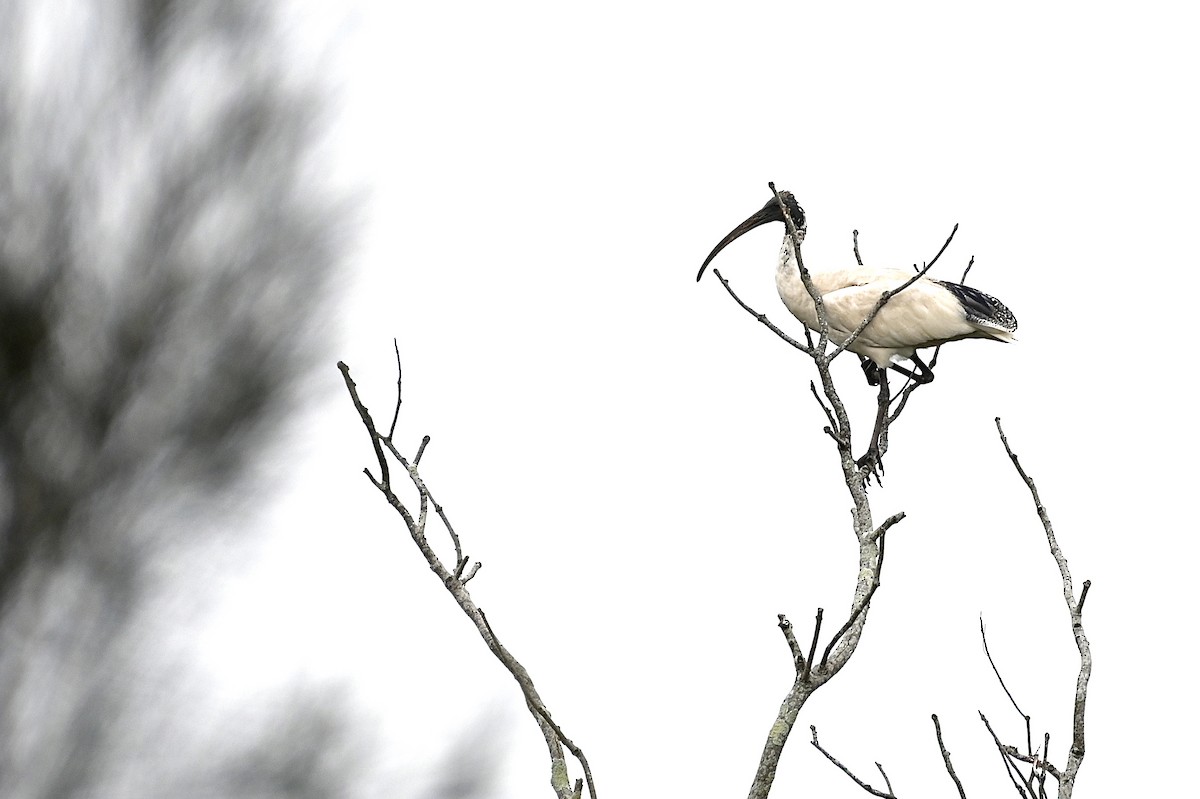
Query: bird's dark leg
[872, 459]
[925, 375]
[870, 370]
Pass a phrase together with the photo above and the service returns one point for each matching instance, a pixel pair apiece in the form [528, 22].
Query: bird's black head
[771, 212]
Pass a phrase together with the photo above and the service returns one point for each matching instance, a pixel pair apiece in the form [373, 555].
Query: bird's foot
[872, 463]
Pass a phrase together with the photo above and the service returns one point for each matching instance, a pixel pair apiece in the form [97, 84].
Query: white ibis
[927, 313]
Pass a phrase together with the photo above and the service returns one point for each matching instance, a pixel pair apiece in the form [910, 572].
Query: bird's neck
[791, 288]
[788, 265]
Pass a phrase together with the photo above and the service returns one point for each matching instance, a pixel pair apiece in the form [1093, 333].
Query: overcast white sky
[638, 464]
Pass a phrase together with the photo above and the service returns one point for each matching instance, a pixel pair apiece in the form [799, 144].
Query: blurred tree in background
[164, 251]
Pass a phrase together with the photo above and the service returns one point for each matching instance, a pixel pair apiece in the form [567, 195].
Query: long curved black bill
[769, 213]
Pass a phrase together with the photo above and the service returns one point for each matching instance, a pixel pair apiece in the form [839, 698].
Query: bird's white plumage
[923, 315]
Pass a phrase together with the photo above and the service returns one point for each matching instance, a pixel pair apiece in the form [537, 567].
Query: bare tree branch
[789, 635]
[854, 614]
[828, 413]
[870, 540]
[420, 449]
[967, 271]
[761, 317]
[1041, 762]
[399, 399]
[455, 583]
[887, 781]
[861, 783]
[996, 671]
[812, 647]
[1006, 752]
[937, 726]
[857, 474]
[1066, 783]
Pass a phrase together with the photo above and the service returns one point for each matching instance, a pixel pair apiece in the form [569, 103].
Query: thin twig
[861, 784]
[857, 257]
[812, 647]
[1017, 754]
[466, 578]
[879, 560]
[420, 450]
[399, 396]
[761, 317]
[1004, 756]
[996, 671]
[828, 412]
[937, 726]
[426, 494]
[886, 781]
[352, 387]
[966, 271]
[1087, 584]
[858, 609]
[789, 635]
[949, 239]
[894, 519]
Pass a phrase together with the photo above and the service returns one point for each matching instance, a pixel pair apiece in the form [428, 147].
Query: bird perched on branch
[924, 314]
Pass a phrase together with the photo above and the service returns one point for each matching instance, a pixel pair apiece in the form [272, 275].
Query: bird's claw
[872, 464]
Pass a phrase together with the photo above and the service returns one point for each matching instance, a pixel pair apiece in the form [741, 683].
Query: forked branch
[455, 580]
[812, 674]
[1066, 779]
[861, 783]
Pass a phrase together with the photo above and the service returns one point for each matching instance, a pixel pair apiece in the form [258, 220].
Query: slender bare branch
[812, 647]
[887, 781]
[1010, 769]
[1016, 754]
[384, 472]
[854, 614]
[828, 412]
[937, 726]
[456, 585]
[399, 394]
[888, 523]
[945, 244]
[1087, 585]
[427, 496]
[1066, 784]
[761, 317]
[539, 708]
[996, 671]
[466, 578]
[967, 271]
[789, 635]
[861, 783]
[857, 257]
